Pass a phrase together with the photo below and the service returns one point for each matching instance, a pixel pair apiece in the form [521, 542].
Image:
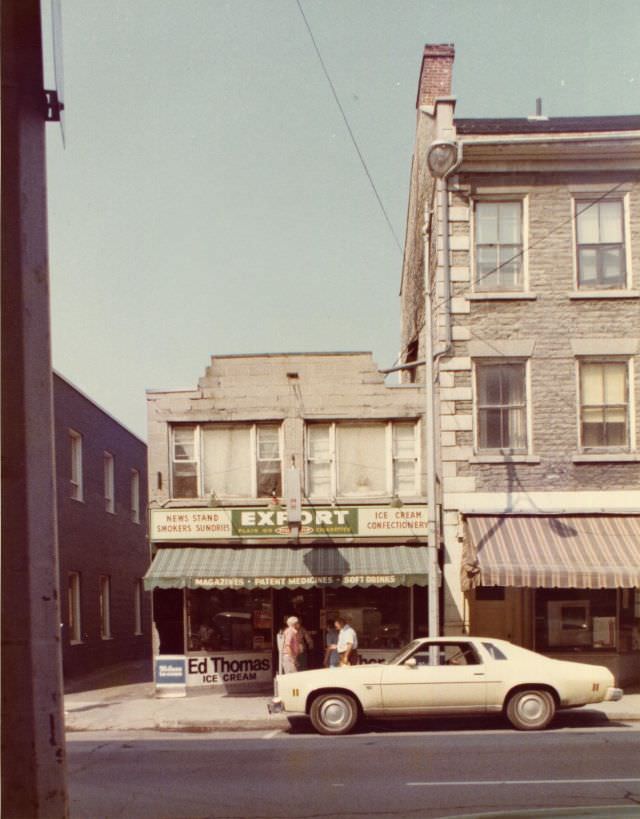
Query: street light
[442, 158]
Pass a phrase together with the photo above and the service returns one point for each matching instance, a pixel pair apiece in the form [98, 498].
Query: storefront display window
[381, 617]
[574, 619]
[229, 620]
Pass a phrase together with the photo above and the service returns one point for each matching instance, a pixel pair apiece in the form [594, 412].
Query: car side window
[494, 651]
[449, 654]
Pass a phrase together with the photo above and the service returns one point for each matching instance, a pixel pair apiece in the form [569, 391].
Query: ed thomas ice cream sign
[216, 669]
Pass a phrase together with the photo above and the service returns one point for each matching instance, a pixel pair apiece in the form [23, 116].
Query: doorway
[305, 604]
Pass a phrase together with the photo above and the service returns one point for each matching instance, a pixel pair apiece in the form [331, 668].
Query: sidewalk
[135, 708]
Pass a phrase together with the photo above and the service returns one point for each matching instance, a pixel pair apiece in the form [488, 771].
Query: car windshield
[404, 651]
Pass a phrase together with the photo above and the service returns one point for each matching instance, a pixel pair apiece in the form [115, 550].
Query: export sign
[224, 524]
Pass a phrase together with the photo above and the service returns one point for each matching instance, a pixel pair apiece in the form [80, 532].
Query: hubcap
[335, 713]
[532, 708]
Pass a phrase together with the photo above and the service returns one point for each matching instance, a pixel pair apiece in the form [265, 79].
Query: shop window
[362, 460]
[75, 446]
[109, 483]
[135, 496]
[74, 608]
[498, 246]
[501, 412]
[600, 244]
[380, 617]
[229, 619]
[105, 607]
[604, 410]
[576, 619]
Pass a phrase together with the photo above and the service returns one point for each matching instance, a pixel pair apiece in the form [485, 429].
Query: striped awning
[552, 551]
[287, 567]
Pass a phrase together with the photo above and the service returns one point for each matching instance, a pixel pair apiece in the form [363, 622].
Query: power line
[349, 129]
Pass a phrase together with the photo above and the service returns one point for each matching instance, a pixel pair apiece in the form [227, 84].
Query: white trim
[76, 478]
[74, 607]
[600, 501]
[109, 482]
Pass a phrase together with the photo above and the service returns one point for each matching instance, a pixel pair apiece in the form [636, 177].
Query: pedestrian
[280, 645]
[331, 657]
[347, 646]
[291, 647]
[306, 644]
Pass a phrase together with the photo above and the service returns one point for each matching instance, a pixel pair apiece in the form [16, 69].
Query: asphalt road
[382, 773]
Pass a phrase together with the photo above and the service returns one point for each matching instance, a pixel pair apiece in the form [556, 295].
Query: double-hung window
[228, 461]
[600, 244]
[109, 483]
[135, 496]
[604, 405]
[75, 449]
[501, 407]
[362, 460]
[74, 608]
[105, 607]
[498, 246]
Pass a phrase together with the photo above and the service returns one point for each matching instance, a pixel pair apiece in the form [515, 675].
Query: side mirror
[411, 662]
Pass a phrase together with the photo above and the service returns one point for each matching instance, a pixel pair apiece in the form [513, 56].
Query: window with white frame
[498, 246]
[362, 460]
[137, 606]
[135, 496]
[501, 406]
[604, 404]
[105, 606]
[600, 239]
[76, 480]
[74, 608]
[241, 461]
[109, 483]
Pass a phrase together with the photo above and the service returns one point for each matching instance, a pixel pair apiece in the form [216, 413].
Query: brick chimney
[435, 73]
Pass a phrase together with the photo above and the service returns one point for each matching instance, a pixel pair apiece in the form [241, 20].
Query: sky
[209, 199]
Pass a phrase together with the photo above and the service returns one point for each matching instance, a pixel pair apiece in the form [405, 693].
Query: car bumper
[275, 706]
[613, 694]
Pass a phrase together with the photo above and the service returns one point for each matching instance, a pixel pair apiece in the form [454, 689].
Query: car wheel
[334, 713]
[531, 710]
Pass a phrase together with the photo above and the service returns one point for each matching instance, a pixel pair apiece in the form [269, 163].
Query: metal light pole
[442, 159]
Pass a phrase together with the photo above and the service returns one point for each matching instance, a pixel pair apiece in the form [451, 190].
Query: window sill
[604, 294]
[504, 459]
[76, 642]
[77, 500]
[606, 457]
[106, 639]
[501, 296]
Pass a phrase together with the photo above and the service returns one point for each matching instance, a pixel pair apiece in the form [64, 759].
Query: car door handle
[478, 673]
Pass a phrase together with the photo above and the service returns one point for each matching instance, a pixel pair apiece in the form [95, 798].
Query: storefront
[225, 580]
[564, 585]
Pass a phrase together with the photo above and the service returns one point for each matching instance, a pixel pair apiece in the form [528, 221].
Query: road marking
[272, 734]
[494, 782]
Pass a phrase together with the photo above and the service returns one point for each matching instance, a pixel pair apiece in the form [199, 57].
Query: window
[75, 443]
[604, 404]
[135, 496]
[229, 620]
[105, 607]
[600, 238]
[185, 463]
[352, 460]
[137, 606]
[572, 619]
[74, 608]
[242, 461]
[109, 483]
[501, 407]
[498, 246]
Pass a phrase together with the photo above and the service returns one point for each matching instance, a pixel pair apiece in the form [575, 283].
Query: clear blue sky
[210, 201]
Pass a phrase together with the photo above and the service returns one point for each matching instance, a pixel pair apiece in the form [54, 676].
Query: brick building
[101, 477]
[528, 232]
[260, 441]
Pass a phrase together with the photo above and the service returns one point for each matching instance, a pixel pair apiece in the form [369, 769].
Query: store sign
[226, 669]
[224, 524]
[170, 671]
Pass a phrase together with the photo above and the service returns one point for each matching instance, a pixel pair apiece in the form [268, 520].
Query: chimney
[435, 73]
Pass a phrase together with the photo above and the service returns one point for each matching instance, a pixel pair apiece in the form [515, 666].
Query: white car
[444, 677]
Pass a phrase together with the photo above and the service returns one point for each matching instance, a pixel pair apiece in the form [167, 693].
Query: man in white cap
[291, 648]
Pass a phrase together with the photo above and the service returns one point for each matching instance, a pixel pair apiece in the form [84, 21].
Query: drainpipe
[442, 158]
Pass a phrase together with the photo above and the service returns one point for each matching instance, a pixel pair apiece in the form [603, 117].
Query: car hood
[343, 675]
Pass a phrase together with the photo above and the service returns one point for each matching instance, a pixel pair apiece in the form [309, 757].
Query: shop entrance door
[305, 604]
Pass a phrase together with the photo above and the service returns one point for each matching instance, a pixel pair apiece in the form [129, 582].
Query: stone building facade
[528, 233]
[283, 484]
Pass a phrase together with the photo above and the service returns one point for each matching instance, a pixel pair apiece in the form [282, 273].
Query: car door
[456, 682]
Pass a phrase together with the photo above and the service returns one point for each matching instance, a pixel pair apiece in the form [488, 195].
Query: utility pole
[33, 756]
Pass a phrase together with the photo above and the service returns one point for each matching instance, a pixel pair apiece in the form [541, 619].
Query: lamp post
[442, 159]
